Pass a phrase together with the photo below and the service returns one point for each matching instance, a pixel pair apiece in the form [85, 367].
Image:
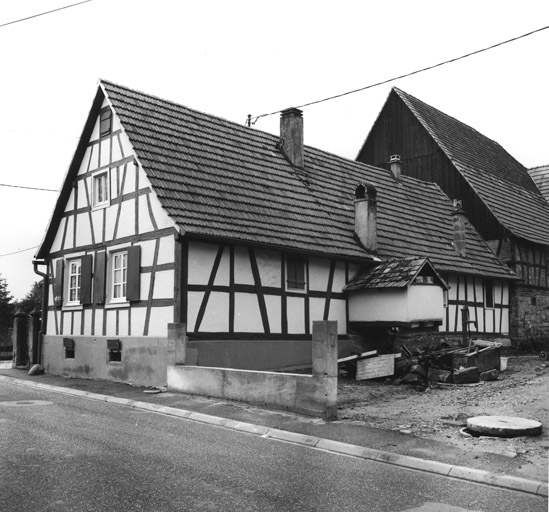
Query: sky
[238, 57]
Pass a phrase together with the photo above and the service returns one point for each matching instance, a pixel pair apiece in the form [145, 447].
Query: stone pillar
[34, 337]
[177, 343]
[325, 362]
[20, 345]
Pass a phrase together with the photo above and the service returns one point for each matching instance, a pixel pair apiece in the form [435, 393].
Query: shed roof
[500, 181]
[540, 175]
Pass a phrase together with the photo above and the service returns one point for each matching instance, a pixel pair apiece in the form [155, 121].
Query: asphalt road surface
[61, 453]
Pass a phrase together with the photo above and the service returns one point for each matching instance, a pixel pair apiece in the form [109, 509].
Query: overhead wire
[251, 120]
[43, 13]
[18, 252]
[29, 188]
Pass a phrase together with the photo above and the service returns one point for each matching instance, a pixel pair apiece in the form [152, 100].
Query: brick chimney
[458, 217]
[366, 216]
[396, 166]
[291, 134]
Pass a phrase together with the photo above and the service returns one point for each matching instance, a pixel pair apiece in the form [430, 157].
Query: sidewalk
[338, 436]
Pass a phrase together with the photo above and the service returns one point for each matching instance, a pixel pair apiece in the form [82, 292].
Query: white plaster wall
[296, 315]
[158, 324]
[164, 284]
[216, 316]
[339, 277]
[269, 264]
[200, 263]
[242, 267]
[425, 303]
[247, 314]
[274, 308]
[194, 301]
[222, 277]
[378, 306]
[319, 271]
[337, 313]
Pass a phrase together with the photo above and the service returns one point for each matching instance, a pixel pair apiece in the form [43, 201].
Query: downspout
[45, 293]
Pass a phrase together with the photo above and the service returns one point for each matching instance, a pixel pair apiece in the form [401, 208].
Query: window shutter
[86, 279]
[134, 273]
[58, 283]
[99, 278]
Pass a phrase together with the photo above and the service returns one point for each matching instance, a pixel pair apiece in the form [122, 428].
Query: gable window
[488, 293]
[105, 122]
[295, 272]
[119, 276]
[101, 189]
[75, 281]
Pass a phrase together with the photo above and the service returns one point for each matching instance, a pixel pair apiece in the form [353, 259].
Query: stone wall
[529, 314]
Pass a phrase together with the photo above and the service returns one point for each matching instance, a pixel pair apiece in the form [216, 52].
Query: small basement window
[68, 345]
[114, 351]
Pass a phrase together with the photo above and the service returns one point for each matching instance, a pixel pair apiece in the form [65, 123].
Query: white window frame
[119, 276]
[100, 200]
[74, 282]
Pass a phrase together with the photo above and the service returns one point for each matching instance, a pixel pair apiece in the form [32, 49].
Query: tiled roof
[540, 175]
[389, 274]
[500, 181]
[219, 179]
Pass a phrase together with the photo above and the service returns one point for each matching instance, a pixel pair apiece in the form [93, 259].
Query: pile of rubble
[480, 361]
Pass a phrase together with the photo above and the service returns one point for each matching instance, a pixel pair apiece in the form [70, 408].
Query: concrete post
[177, 343]
[325, 362]
[20, 346]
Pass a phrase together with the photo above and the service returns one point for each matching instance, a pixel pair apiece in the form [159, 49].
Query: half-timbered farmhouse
[169, 215]
[498, 195]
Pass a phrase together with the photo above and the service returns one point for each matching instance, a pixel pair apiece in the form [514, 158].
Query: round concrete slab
[504, 426]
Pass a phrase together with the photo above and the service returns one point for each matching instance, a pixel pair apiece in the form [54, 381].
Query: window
[295, 269]
[119, 276]
[489, 293]
[101, 189]
[105, 122]
[75, 281]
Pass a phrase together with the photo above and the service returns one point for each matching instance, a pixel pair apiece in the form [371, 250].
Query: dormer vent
[366, 215]
[291, 133]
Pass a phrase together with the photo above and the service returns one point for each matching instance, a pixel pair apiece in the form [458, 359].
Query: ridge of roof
[480, 159]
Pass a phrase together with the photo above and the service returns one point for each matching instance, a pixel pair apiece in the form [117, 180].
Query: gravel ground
[442, 410]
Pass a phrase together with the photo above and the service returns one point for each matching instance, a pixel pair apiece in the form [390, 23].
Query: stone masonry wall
[529, 314]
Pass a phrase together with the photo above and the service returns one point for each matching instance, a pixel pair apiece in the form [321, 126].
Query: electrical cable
[29, 188]
[17, 252]
[252, 120]
[43, 13]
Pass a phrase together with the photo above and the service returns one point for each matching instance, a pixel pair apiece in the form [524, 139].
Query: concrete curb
[429, 466]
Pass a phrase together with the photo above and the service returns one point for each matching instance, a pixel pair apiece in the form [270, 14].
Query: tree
[33, 299]
[7, 308]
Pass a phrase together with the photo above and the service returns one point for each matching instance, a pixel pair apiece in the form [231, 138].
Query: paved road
[61, 453]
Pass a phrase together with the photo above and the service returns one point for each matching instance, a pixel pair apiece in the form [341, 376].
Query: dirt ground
[439, 412]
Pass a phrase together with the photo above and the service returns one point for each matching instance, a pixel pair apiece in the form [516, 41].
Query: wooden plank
[357, 356]
[380, 366]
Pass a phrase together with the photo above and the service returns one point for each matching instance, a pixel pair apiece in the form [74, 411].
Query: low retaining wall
[314, 394]
[294, 392]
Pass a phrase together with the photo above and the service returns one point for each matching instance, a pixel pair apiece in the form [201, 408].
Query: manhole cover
[504, 426]
[21, 403]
